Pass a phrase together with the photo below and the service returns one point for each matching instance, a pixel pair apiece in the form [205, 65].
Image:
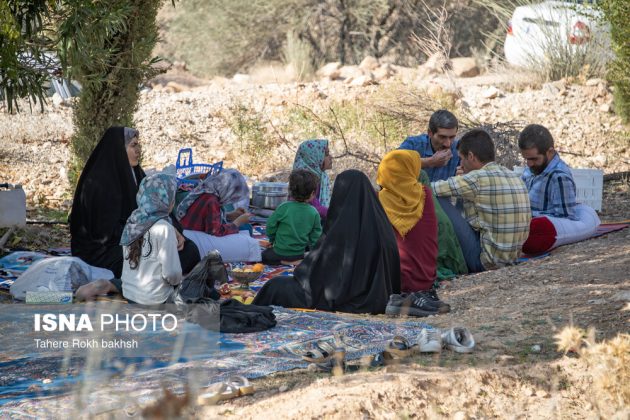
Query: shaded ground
[513, 313]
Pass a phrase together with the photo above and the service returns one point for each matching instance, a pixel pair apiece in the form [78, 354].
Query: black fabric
[104, 199]
[237, 317]
[230, 316]
[354, 267]
[189, 256]
[284, 291]
[270, 257]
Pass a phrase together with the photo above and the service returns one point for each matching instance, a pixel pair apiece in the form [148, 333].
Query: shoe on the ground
[411, 304]
[430, 341]
[458, 339]
[443, 307]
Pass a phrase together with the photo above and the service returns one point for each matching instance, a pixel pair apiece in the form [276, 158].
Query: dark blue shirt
[422, 145]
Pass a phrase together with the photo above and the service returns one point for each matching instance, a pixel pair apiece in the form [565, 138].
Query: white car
[537, 31]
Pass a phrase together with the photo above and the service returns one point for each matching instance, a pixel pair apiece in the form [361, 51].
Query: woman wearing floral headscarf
[202, 210]
[151, 267]
[314, 155]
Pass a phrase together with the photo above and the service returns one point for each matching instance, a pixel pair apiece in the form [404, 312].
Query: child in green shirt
[295, 225]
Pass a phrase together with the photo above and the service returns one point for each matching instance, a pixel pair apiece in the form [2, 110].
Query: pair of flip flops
[400, 348]
[235, 386]
[326, 361]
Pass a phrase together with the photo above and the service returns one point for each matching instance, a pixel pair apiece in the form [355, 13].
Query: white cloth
[158, 269]
[56, 274]
[569, 231]
[237, 247]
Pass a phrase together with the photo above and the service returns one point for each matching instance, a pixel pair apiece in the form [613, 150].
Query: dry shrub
[608, 362]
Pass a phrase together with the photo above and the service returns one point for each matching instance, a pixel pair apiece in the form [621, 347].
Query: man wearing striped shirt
[548, 179]
[496, 205]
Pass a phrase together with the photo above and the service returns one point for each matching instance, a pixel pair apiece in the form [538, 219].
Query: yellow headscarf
[402, 196]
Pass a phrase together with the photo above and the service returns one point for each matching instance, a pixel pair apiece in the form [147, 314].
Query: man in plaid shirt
[548, 179]
[496, 205]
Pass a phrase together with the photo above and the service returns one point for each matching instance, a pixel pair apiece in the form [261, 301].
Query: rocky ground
[211, 117]
[514, 313]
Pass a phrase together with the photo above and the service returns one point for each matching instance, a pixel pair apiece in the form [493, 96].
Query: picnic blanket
[250, 355]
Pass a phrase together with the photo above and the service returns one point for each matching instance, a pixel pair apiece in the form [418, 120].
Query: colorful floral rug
[33, 388]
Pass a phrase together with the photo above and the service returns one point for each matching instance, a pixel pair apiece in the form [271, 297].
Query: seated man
[557, 218]
[496, 205]
[437, 148]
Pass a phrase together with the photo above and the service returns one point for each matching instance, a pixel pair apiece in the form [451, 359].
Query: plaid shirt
[552, 193]
[204, 215]
[422, 145]
[496, 205]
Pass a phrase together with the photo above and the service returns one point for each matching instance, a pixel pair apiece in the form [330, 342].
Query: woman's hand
[242, 219]
[180, 240]
[231, 216]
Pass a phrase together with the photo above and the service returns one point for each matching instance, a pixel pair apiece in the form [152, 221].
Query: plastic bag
[57, 274]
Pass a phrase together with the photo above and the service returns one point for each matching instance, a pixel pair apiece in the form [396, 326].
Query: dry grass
[609, 364]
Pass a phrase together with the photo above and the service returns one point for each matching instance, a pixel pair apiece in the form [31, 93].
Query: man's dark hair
[442, 119]
[302, 183]
[479, 143]
[535, 135]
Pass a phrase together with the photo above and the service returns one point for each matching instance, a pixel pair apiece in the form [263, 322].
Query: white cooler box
[12, 205]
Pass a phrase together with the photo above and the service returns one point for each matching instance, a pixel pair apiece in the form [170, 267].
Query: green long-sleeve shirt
[292, 227]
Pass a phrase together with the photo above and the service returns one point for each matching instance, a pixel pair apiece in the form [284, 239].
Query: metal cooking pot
[268, 200]
[270, 187]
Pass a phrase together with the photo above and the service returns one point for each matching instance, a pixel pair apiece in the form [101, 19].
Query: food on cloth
[256, 268]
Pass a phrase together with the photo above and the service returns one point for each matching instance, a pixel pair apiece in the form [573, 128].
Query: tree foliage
[107, 47]
[24, 43]
[618, 15]
[220, 37]
[104, 45]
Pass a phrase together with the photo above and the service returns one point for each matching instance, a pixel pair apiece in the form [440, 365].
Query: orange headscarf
[402, 196]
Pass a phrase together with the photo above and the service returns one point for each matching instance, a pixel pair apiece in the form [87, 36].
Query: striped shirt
[552, 193]
[496, 205]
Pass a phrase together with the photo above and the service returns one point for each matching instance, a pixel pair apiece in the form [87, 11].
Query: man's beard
[538, 169]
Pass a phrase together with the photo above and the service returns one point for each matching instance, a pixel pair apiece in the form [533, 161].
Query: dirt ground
[515, 371]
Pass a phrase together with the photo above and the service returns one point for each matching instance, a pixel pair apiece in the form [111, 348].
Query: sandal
[316, 355]
[400, 347]
[221, 392]
[336, 363]
[242, 384]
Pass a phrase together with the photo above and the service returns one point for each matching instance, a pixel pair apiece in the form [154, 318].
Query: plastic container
[589, 185]
[12, 205]
[189, 172]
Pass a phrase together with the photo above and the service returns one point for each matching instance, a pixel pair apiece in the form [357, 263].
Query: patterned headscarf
[155, 196]
[229, 185]
[310, 155]
[129, 134]
[402, 195]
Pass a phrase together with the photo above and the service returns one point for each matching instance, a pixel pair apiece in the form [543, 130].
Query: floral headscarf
[229, 185]
[154, 198]
[310, 155]
[402, 196]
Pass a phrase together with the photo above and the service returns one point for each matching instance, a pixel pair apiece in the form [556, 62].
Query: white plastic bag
[57, 274]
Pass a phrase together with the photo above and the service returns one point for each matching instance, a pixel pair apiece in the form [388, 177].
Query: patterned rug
[25, 395]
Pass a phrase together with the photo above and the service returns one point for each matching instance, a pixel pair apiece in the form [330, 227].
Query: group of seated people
[444, 207]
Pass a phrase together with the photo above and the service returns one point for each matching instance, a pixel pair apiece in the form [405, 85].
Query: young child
[152, 272]
[295, 224]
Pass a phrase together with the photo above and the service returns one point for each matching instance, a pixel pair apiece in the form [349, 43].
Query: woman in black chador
[354, 266]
